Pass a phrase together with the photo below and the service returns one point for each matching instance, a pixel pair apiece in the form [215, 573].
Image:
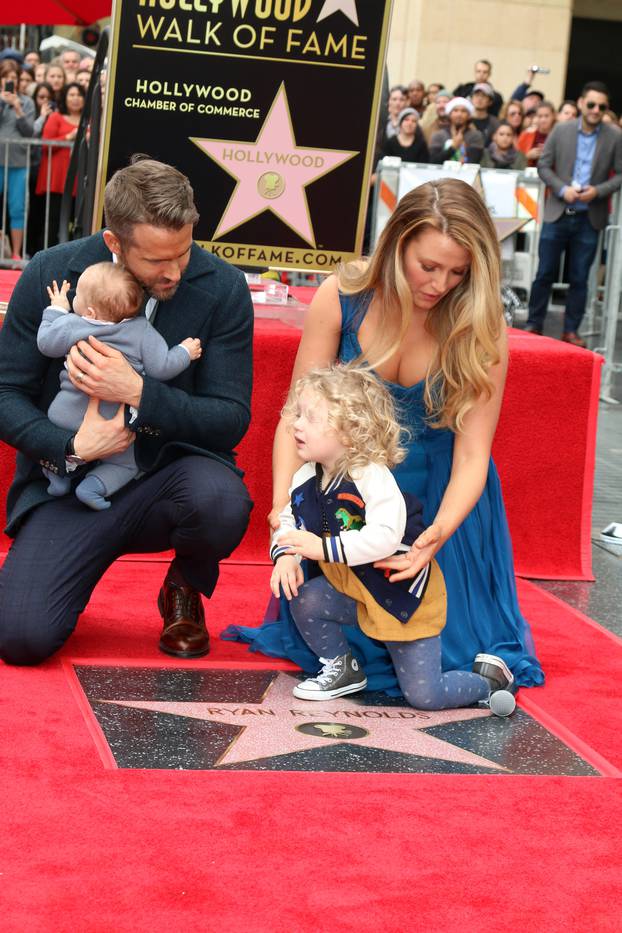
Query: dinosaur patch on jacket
[348, 521]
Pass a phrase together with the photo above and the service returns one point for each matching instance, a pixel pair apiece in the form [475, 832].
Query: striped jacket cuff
[333, 550]
[277, 550]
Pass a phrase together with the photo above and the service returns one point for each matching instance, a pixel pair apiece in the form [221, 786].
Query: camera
[536, 69]
[9, 87]
[52, 105]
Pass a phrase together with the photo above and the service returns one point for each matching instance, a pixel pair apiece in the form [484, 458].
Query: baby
[107, 304]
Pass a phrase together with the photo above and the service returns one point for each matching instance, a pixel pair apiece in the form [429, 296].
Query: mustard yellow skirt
[427, 621]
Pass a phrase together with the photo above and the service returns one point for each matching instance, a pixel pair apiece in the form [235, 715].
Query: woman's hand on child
[304, 543]
[421, 553]
[193, 346]
[288, 574]
[58, 296]
[274, 518]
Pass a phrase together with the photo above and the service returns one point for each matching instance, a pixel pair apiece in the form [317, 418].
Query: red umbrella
[56, 12]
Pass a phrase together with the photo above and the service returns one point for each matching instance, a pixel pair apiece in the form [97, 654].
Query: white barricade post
[510, 196]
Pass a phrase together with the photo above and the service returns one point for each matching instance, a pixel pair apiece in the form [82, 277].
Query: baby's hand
[193, 346]
[58, 296]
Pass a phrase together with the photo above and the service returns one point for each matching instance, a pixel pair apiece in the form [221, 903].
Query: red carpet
[544, 448]
[85, 848]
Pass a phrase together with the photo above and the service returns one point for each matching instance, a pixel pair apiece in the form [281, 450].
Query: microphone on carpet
[500, 703]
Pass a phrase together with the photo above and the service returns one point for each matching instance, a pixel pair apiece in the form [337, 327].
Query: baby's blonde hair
[112, 291]
[360, 409]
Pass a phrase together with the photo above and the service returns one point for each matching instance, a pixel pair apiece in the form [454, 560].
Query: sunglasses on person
[590, 104]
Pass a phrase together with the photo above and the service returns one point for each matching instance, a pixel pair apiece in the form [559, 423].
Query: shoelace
[331, 666]
[184, 605]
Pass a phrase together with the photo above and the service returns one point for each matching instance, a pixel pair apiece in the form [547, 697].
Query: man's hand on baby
[99, 437]
[58, 296]
[193, 346]
[304, 543]
[103, 372]
[288, 574]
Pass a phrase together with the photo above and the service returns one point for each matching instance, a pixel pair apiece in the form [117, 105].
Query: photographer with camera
[45, 105]
[530, 99]
[17, 113]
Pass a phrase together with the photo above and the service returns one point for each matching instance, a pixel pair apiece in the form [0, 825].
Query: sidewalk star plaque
[269, 106]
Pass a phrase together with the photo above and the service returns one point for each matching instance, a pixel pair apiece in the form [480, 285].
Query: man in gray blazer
[582, 166]
[190, 496]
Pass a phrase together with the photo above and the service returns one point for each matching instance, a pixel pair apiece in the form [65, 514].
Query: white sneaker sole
[612, 534]
[328, 694]
[497, 662]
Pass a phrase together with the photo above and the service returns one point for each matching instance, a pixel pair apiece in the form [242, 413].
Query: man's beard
[152, 291]
[158, 293]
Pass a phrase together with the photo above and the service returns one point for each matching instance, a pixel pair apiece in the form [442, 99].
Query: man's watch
[71, 455]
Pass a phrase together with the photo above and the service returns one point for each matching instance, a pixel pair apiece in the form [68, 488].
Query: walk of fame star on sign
[272, 172]
[347, 7]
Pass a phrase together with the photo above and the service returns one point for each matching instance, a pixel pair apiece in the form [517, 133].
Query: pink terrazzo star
[272, 172]
[270, 727]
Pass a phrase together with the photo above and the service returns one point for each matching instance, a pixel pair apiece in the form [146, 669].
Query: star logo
[279, 725]
[347, 7]
[272, 173]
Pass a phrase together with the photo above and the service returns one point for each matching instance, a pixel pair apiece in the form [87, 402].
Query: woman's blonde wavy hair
[466, 323]
[360, 410]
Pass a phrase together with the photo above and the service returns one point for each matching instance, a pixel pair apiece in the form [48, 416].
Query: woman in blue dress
[425, 313]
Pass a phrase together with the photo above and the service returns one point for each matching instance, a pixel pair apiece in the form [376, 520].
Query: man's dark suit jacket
[205, 410]
[556, 166]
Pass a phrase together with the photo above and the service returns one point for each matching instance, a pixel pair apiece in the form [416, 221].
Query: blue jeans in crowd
[575, 234]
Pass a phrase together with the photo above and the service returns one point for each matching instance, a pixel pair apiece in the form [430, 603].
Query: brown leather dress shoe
[184, 634]
[574, 339]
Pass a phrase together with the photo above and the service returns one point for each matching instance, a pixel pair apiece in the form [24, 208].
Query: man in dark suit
[582, 166]
[190, 496]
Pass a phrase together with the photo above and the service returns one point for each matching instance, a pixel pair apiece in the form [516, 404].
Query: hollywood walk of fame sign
[269, 106]
[247, 719]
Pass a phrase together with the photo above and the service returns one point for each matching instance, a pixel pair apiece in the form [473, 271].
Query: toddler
[345, 512]
[107, 304]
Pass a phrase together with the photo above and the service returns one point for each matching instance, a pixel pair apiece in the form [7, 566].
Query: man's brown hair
[148, 192]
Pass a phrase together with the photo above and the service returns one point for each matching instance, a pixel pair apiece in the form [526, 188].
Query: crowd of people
[40, 101]
[576, 149]
[472, 123]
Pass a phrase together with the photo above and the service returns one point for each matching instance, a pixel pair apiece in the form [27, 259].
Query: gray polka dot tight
[320, 612]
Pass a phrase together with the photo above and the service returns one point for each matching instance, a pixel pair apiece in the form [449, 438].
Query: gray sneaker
[338, 677]
[501, 701]
[494, 669]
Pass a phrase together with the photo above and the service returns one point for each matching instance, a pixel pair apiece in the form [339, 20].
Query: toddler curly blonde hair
[360, 409]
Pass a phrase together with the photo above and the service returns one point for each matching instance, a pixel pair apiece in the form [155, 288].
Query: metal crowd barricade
[508, 195]
[605, 326]
[6, 260]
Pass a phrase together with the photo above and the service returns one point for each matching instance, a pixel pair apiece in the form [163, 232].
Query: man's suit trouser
[575, 234]
[195, 505]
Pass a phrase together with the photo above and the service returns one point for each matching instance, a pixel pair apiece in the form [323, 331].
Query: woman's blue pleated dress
[482, 606]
